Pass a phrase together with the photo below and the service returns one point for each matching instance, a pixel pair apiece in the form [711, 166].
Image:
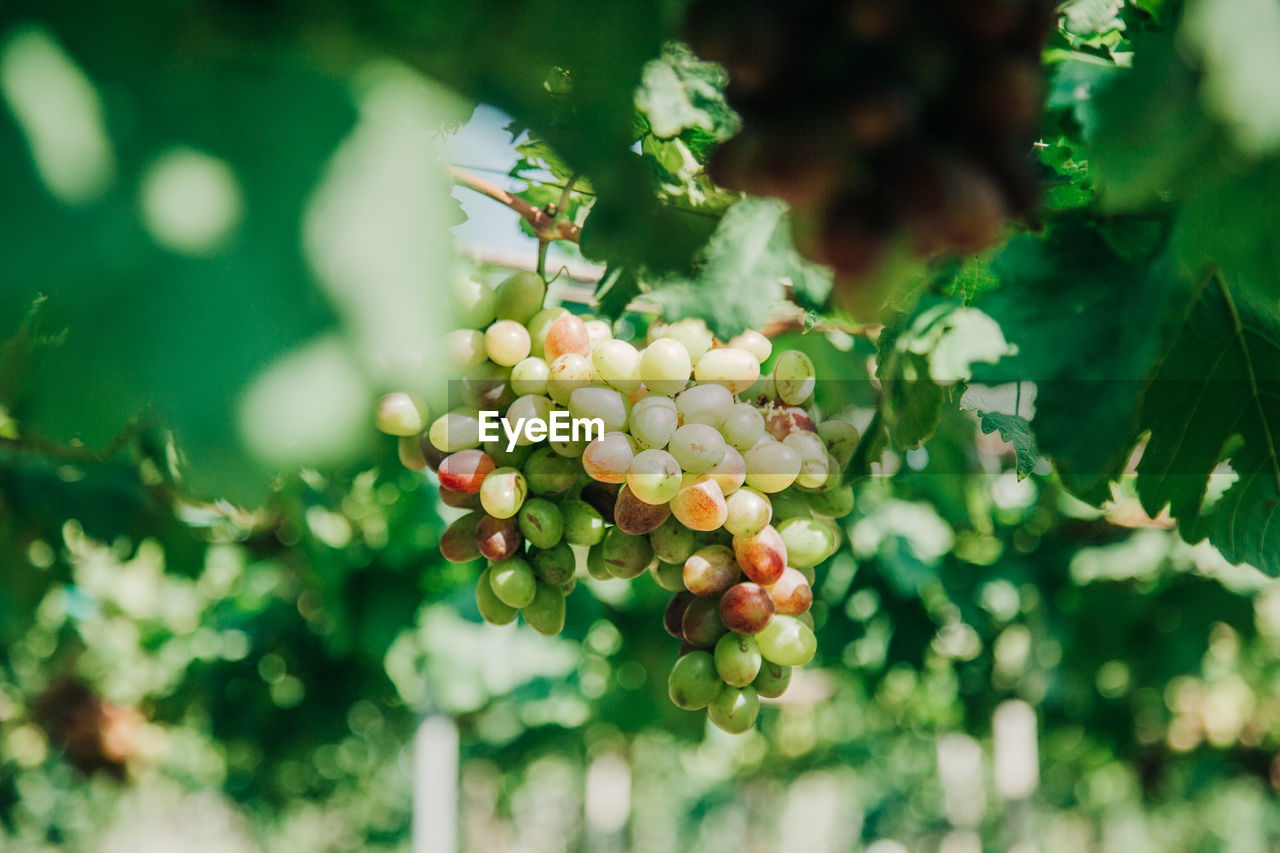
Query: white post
[435, 786]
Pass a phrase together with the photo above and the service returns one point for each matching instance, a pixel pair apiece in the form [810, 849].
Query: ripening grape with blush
[715, 476]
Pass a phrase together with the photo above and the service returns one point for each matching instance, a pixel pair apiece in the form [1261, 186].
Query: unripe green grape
[772, 467]
[692, 334]
[598, 330]
[625, 556]
[669, 576]
[808, 542]
[815, 474]
[506, 342]
[474, 303]
[520, 296]
[747, 512]
[530, 376]
[807, 444]
[833, 503]
[456, 430]
[545, 614]
[568, 586]
[608, 405]
[503, 492]
[788, 641]
[654, 476]
[464, 350]
[549, 473]
[538, 327]
[755, 343]
[595, 563]
[409, 449]
[734, 709]
[735, 369]
[516, 457]
[652, 422]
[794, 377]
[773, 679]
[532, 409]
[762, 392]
[555, 565]
[492, 609]
[401, 414]
[458, 542]
[790, 504]
[617, 363]
[541, 522]
[737, 659]
[693, 681]
[705, 404]
[583, 525]
[701, 624]
[485, 387]
[513, 582]
[697, 448]
[665, 366]
[673, 542]
[608, 458]
[743, 427]
[841, 439]
[568, 373]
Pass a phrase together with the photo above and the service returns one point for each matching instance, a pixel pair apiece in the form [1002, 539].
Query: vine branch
[544, 223]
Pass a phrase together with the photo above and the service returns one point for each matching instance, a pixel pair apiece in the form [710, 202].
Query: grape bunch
[710, 476]
[880, 120]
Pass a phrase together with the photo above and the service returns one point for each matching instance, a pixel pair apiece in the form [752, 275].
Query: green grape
[692, 334]
[697, 448]
[555, 565]
[737, 659]
[598, 331]
[545, 614]
[734, 709]
[530, 376]
[673, 542]
[841, 439]
[583, 524]
[787, 641]
[531, 408]
[401, 414]
[506, 342]
[743, 427]
[456, 430]
[608, 458]
[541, 522]
[771, 466]
[794, 377]
[710, 571]
[516, 457]
[520, 297]
[569, 449]
[568, 373]
[808, 542]
[617, 363]
[539, 326]
[409, 449]
[513, 582]
[693, 682]
[608, 405]
[568, 586]
[654, 476]
[755, 343]
[595, 563]
[665, 366]
[473, 302]
[834, 503]
[669, 576]
[652, 422]
[492, 609]
[773, 680]
[705, 404]
[747, 512]
[485, 387]
[549, 473]
[503, 492]
[464, 350]
[790, 504]
[625, 556]
[735, 369]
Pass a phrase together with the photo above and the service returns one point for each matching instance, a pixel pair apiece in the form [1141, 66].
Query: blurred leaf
[680, 92]
[1016, 431]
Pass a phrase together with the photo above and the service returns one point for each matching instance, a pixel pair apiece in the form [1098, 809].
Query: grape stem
[545, 225]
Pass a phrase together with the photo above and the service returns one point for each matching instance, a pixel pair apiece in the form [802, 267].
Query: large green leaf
[1219, 385]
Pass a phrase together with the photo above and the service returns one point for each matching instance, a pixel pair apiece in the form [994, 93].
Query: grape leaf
[1017, 431]
[680, 92]
[1219, 379]
[1088, 324]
